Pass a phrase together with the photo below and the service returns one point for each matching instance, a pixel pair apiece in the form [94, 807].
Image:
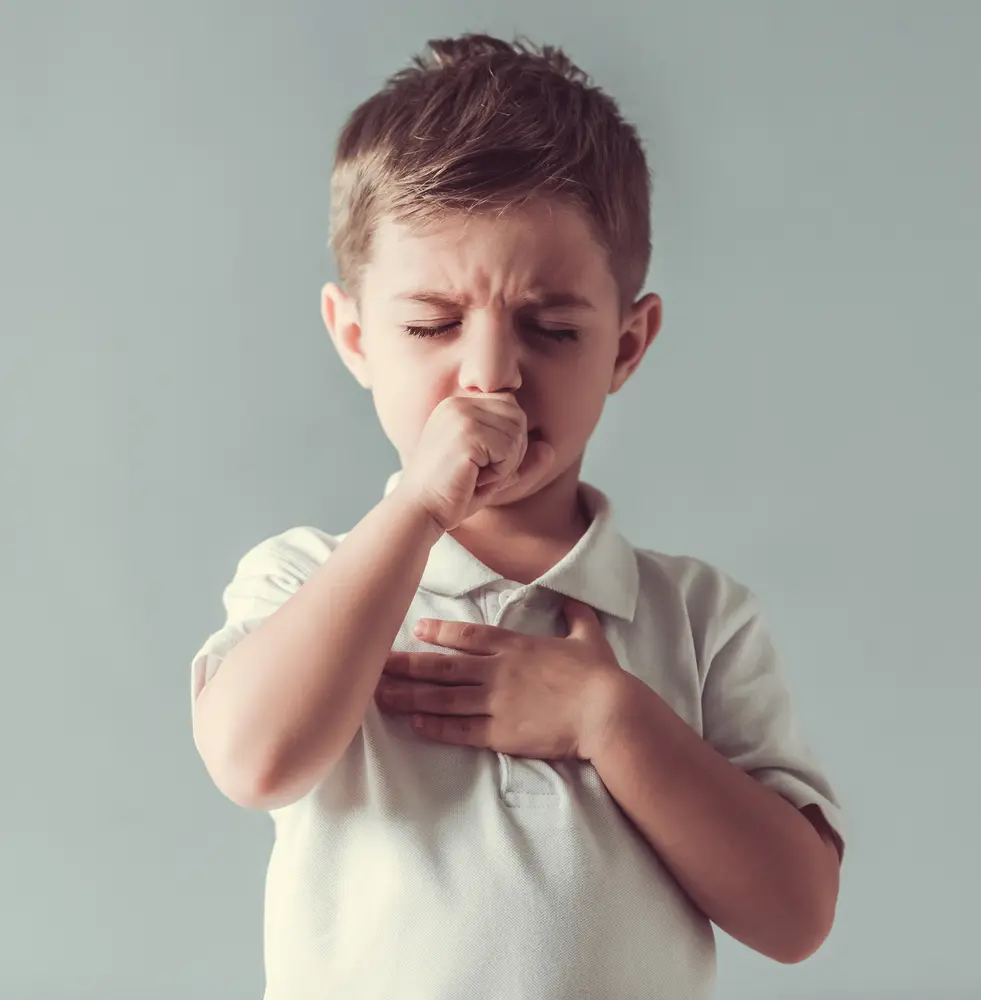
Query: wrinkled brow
[538, 300]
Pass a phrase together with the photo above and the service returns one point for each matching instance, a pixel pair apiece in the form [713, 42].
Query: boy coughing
[507, 753]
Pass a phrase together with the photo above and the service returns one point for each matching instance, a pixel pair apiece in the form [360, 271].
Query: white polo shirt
[426, 871]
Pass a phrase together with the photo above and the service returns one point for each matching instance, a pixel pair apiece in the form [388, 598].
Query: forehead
[540, 248]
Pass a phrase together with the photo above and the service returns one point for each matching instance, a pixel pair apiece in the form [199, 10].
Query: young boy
[607, 762]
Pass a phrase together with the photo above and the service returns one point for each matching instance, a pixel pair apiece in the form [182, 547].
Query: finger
[404, 664]
[583, 620]
[462, 730]
[397, 662]
[468, 636]
[437, 699]
[439, 668]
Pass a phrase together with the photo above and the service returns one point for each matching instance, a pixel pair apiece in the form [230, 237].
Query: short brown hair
[478, 123]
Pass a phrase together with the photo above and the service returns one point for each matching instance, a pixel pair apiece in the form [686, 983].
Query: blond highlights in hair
[477, 124]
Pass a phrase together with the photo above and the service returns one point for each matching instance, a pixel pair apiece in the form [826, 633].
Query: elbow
[812, 930]
[803, 948]
[227, 767]
[288, 783]
[244, 793]
[229, 779]
[281, 785]
[248, 790]
[251, 775]
[817, 904]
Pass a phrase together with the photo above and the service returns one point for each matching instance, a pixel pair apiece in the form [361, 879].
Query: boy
[607, 761]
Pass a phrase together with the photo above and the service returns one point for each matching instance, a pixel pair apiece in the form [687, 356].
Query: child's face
[487, 267]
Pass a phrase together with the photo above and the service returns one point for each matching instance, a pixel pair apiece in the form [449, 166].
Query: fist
[473, 449]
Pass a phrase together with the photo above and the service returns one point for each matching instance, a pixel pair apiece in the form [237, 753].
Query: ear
[639, 330]
[340, 315]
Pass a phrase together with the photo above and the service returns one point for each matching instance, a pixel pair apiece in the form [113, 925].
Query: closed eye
[435, 331]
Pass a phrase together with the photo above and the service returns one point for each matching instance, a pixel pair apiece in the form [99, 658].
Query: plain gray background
[808, 420]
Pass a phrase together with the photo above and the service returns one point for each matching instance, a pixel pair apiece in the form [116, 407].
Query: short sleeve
[264, 579]
[747, 712]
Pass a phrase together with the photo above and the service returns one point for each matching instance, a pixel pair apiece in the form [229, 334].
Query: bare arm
[747, 857]
[289, 698]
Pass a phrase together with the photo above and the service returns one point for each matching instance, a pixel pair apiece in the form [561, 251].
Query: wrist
[606, 699]
[430, 529]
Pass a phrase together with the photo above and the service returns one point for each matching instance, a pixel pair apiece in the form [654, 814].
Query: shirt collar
[601, 570]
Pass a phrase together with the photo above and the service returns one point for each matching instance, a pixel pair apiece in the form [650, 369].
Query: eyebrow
[539, 300]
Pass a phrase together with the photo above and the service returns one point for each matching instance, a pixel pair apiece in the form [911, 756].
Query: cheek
[583, 405]
[404, 401]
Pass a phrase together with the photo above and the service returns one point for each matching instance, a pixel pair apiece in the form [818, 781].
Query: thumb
[583, 620]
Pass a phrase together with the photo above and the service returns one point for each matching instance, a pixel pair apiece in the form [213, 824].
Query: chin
[522, 490]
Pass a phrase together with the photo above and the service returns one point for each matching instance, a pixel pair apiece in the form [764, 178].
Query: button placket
[527, 784]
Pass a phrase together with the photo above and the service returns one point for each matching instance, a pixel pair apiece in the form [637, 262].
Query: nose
[490, 359]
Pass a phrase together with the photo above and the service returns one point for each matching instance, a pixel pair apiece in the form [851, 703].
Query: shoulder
[708, 592]
[689, 596]
[296, 552]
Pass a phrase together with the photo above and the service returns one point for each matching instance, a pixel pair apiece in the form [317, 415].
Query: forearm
[290, 697]
[746, 856]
